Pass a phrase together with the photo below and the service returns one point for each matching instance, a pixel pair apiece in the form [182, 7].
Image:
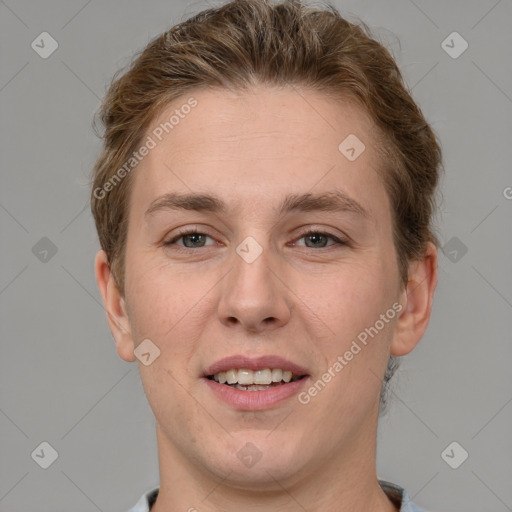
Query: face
[255, 244]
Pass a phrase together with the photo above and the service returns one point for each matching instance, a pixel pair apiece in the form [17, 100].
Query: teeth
[245, 377]
[232, 376]
[263, 377]
[259, 379]
[277, 375]
[253, 387]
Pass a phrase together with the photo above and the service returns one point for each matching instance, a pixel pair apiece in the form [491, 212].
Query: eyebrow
[335, 201]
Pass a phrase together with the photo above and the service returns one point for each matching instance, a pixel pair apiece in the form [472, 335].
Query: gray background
[61, 379]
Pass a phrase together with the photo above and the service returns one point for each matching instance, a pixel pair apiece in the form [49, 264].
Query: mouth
[254, 383]
[245, 379]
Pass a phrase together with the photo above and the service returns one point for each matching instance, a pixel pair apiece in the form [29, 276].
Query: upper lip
[254, 363]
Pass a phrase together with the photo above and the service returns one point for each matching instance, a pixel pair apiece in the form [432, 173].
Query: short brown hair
[249, 42]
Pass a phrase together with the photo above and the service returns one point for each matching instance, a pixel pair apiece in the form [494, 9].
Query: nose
[254, 296]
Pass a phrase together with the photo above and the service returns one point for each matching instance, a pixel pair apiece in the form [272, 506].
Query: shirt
[396, 494]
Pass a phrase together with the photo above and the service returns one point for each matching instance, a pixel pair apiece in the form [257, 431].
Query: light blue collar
[395, 493]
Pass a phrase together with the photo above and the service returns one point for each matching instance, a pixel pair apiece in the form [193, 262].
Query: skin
[302, 299]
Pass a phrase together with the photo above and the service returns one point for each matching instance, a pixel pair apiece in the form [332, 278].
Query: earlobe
[115, 308]
[417, 299]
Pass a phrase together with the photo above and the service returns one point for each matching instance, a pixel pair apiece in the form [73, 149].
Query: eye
[319, 239]
[191, 239]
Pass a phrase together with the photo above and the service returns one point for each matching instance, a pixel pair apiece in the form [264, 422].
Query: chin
[256, 462]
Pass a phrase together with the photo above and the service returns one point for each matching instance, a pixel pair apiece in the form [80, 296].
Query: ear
[115, 307]
[416, 300]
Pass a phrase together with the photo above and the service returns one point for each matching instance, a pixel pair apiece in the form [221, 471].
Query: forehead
[310, 122]
[252, 145]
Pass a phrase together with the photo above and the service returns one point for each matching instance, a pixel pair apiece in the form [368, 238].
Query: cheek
[349, 299]
[163, 305]
[354, 348]
[156, 292]
[350, 304]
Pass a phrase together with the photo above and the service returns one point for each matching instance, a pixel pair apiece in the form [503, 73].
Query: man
[267, 255]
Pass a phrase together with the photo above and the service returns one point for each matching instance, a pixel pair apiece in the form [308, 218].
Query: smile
[253, 384]
[255, 380]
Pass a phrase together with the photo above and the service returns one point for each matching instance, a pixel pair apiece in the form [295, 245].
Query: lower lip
[255, 400]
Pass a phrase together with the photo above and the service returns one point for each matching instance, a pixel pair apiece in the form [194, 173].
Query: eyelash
[185, 232]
